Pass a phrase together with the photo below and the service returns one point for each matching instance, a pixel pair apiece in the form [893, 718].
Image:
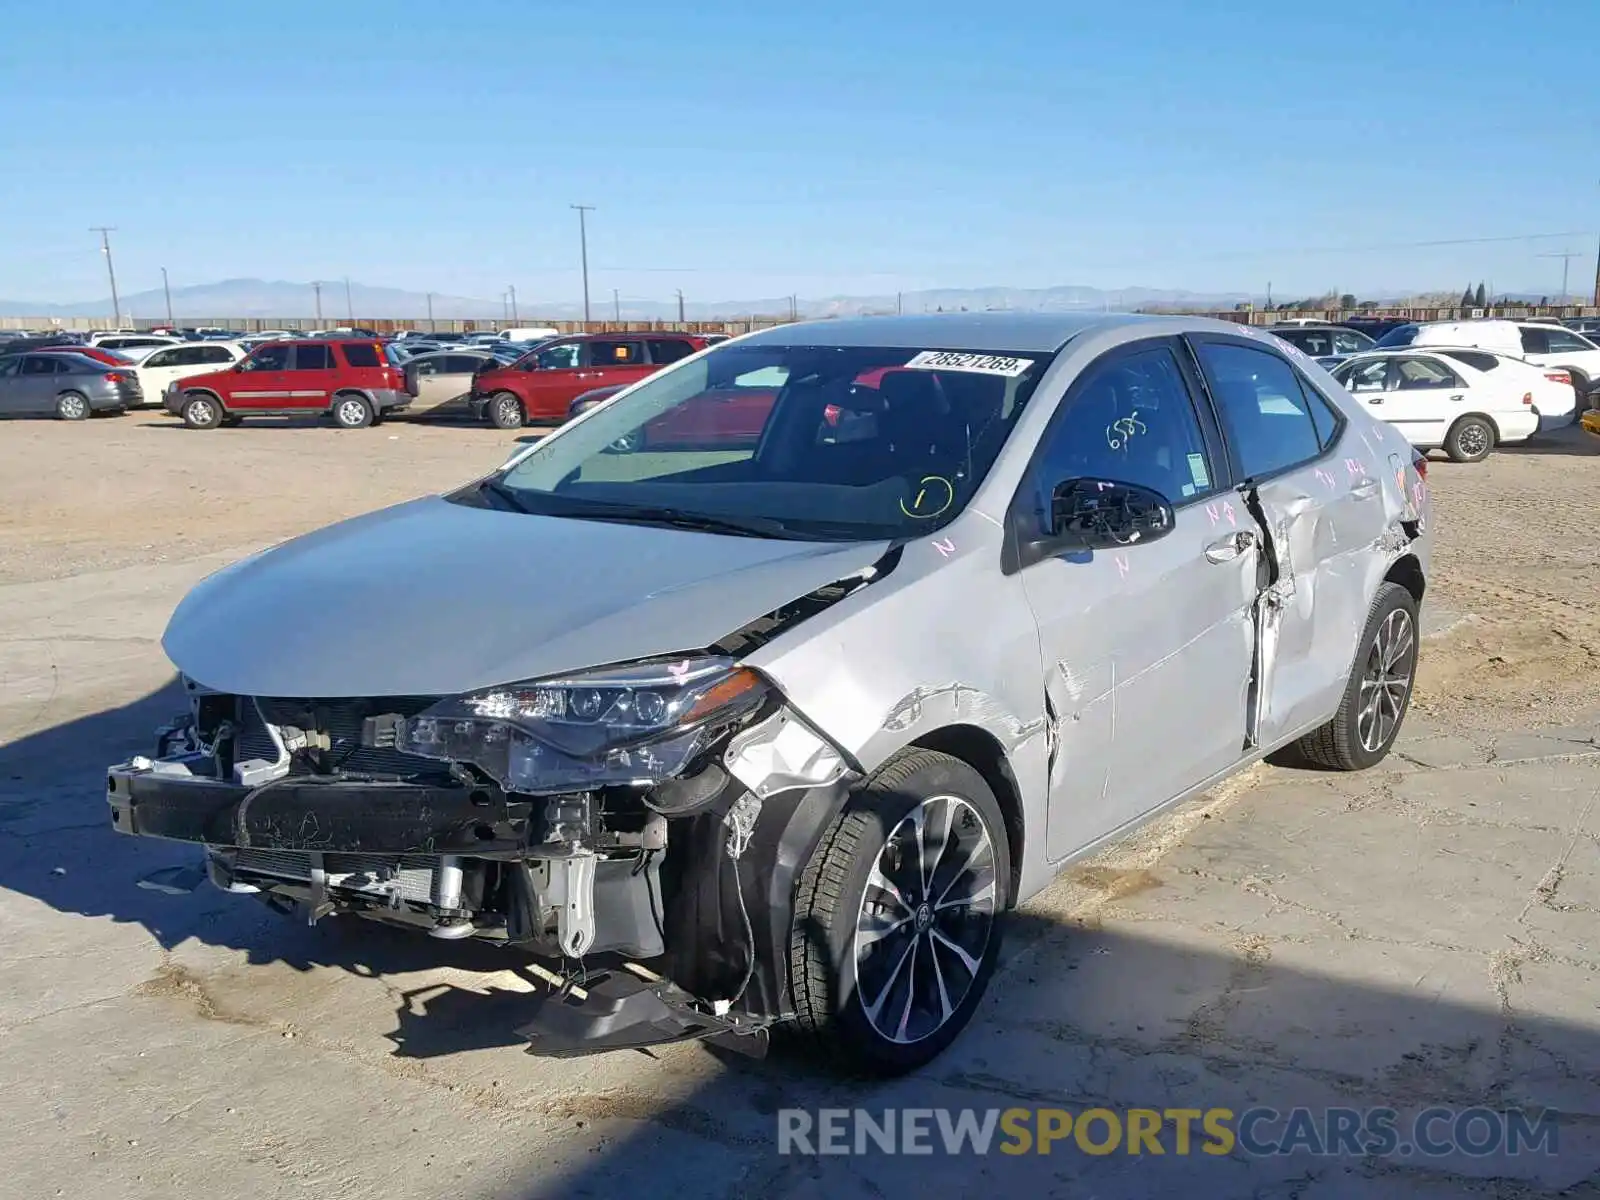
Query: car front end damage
[653, 816]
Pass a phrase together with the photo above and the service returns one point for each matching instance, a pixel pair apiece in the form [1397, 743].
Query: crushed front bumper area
[167, 800]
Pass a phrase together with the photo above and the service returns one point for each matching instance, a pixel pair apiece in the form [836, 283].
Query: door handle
[1365, 490]
[1459, 396]
[1230, 547]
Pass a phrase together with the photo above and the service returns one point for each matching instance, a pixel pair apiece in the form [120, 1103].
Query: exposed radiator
[341, 720]
[411, 876]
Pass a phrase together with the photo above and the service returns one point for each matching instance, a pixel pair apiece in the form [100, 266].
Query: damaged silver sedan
[762, 691]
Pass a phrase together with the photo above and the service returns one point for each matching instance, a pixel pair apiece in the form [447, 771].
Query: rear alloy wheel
[897, 919]
[72, 406]
[353, 412]
[202, 412]
[506, 411]
[1378, 692]
[1470, 439]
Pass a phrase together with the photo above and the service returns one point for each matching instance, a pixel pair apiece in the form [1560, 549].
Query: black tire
[505, 411]
[1345, 743]
[833, 902]
[351, 410]
[1470, 439]
[1582, 398]
[73, 406]
[202, 411]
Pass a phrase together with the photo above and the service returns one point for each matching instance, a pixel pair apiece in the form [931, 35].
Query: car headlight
[635, 724]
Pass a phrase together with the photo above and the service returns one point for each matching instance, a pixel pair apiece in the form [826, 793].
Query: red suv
[351, 381]
[539, 387]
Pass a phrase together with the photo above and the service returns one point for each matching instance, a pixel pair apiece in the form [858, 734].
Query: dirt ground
[1420, 934]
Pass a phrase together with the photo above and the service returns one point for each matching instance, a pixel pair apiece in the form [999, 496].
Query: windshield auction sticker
[980, 364]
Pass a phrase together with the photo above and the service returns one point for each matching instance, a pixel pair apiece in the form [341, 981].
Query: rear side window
[1476, 359]
[361, 354]
[1270, 419]
[313, 358]
[1561, 341]
[212, 354]
[616, 354]
[670, 350]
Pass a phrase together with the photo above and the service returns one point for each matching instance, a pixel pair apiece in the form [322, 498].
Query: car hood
[434, 598]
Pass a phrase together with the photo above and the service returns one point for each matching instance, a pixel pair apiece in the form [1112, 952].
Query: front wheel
[353, 412]
[1378, 692]
[898, 915]
[505, 411]
[202, 412]
[1470, 439]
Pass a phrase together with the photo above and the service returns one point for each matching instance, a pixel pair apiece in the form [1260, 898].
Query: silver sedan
[795, 667]
[69, 386]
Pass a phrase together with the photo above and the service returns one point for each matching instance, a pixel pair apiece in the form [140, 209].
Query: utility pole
[1269, 295]
[794, 307]
[168, 291]
[105, 232]
[511, 290]
[432, 328]
[1566, 258]
[680, 306]
[899, 303]
[583, 244]
[616, 306]
[316, 286]
[349, 307]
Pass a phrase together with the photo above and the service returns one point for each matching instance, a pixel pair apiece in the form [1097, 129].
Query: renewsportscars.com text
[1256, 1132]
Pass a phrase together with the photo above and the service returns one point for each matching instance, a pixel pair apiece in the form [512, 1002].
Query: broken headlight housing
[635, 724]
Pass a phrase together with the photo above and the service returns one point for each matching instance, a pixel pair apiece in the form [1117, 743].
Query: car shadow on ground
[1566, 440]
[1083, 1015]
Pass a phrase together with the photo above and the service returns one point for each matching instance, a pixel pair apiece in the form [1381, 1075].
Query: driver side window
[1129, 418]
[560, 357]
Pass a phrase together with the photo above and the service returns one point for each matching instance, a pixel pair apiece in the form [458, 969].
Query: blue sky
[740, 150]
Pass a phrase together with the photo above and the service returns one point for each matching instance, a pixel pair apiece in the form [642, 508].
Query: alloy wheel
[1473, 440]
[1386, 680]
[200, 412]
[72, 408]
[352, 413]
[926, 916]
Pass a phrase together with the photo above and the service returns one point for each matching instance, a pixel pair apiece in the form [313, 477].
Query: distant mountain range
[257, 298]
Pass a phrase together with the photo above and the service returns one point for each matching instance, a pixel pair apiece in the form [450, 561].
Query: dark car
[1322, 341]
[351, 381]
[539, 387]
[68, 386]
[1373, 327]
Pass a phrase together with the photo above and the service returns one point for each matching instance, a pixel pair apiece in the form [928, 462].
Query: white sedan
[1438, 399]
[167, 364]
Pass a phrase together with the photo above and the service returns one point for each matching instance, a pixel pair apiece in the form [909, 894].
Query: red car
[349, 380]
[539, 387]
[110, 357]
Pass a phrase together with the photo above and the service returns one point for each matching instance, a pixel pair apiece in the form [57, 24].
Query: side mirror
[1105, 513]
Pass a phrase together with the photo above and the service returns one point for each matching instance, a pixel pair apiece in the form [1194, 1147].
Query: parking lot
[1422, 934]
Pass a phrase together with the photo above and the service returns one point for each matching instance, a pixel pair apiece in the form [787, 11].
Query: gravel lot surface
[1420, 934]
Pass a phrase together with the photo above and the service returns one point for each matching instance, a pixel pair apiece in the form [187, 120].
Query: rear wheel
[72, 406]
[352, 411]
[202, 412]
[1470, 439]
[1378, 692]
[898, 914]
[505, 411]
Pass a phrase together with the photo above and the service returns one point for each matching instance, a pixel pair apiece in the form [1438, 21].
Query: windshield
[826, 442]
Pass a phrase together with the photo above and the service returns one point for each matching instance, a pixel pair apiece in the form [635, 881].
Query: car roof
[987, 331]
